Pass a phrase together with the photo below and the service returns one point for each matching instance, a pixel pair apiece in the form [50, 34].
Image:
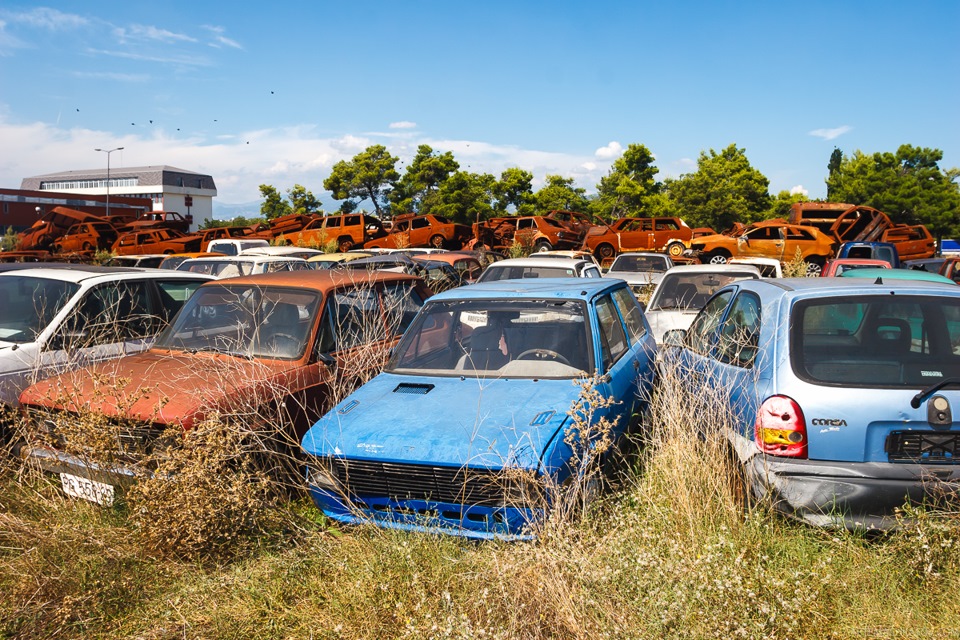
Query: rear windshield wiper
[918, 399]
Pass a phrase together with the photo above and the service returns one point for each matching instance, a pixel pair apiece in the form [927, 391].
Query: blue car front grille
[929, 447]
[401, 481]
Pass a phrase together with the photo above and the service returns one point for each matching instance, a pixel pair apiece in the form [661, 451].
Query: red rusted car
[269, 350]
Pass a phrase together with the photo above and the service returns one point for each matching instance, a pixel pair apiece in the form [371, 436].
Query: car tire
[87, 246]
[718, 257]
[814, 267]
[344, 245]
[605, 251]
[542, 245]
[675, 249]
[437, 241]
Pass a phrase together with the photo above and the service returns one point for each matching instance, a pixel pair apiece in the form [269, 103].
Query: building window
[70, 185]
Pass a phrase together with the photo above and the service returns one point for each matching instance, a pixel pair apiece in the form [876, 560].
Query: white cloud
[830, 134]
[403, 124]
[589, 166]
[612, 150]
[46, 18]
[799, 189]
[109, 75]
[220, 39]
[184, 60]
[139, 33]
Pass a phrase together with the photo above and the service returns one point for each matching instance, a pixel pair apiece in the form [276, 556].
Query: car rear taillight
[780, 429]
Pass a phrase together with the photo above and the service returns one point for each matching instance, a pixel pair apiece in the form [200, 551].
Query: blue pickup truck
[871, 250]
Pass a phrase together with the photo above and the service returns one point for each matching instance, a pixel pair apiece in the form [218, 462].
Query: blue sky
[276, 93]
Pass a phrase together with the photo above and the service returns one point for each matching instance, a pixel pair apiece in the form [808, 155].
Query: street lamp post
[108, 152]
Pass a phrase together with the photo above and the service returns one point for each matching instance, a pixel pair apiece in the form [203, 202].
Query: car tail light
[780, 429]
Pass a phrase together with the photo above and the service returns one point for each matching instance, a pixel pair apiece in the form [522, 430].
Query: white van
[233, 246]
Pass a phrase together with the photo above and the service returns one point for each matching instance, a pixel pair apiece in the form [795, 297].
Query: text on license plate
[87, 489]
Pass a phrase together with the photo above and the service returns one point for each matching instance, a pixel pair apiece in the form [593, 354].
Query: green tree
[515, 187]
[423, 177]
[836, 159]
[273, 205]
[370, 175]
[465, 197]
[780, 205]
[302, 201]
[724, 189]
[625, 189]
[908, 185]
[560, 193]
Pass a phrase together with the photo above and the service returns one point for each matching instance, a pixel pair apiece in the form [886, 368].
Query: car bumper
[57, 462]
[475, 522]
[855, 495]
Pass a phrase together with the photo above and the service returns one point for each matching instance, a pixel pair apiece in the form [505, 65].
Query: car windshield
[877, 340]
[29, 304]
[516, 272]
[497, 338]
[690, 291]
[634, 264]
[248, 321]
[219, 268]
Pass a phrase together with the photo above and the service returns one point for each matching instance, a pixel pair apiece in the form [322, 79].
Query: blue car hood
[489, 422]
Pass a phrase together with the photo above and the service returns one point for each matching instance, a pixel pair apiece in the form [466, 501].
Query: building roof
[157, 175]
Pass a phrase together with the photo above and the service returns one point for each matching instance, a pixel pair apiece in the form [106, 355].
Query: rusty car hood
[164, 387]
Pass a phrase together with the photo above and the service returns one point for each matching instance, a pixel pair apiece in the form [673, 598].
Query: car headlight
[320, 474]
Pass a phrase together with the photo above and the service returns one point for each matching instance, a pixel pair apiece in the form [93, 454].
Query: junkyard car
[423, 231]
[638, 234]
[842, 394]
[768, 239]
[242, 265]
[478, 394]
[684, 290]
[155, 241]
[641, 270]
[534, 267]
[56, 319]
[267, 347]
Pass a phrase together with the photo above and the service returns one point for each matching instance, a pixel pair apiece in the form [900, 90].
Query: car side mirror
[327, 360]
[674, 338]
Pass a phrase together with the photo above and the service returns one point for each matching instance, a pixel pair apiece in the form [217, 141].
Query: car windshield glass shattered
[497, 338]
[691, 290]
[28, 305]
[246, 321]
[877, 340]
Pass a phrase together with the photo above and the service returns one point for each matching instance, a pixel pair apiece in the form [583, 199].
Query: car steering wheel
[543, 354]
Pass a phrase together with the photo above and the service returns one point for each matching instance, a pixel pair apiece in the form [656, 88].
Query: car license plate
[87, 489]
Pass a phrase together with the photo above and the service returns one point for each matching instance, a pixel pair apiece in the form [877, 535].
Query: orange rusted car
[274, 351]
[668, 235]
[346, 230]
[426, 230]
[86, 237]
[155, 241]
[769, 239]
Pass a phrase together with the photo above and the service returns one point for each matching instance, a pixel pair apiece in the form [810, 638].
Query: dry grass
[672, 554]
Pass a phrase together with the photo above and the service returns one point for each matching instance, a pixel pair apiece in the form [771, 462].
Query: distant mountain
[224, 211]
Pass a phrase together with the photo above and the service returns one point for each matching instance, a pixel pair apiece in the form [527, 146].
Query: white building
[171, 189]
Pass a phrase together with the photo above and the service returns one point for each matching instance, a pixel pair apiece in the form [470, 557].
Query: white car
[286, 251]
[642, 270]
[233, 246]
[532, 267]
[768, 267]
[233, 266]
[56, 319]
[684, 290]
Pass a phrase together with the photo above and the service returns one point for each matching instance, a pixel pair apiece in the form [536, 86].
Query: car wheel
[605, 251]
[345, 245]
[814, 268]
[675, 249]
[87, 246]
[437, 241]
[542, 245]
[718, 257]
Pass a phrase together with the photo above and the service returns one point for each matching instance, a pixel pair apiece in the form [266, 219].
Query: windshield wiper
[918, 399]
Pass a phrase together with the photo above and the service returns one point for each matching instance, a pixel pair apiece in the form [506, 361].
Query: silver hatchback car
[841, 392]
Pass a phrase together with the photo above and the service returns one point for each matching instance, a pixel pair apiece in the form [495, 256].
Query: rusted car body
[270, 350]
[572, 220]
[426, 230]
[467, 266]
[86, 237]
[838, 265]
[536, 232]
[951, 269]
[347, 231]
[284, 224]
[160, 220]
[847, 222]
[53, 224]
[155, 241]
[769, 239]
[669, 235]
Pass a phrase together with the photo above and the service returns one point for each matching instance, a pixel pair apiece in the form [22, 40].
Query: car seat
[484, 351]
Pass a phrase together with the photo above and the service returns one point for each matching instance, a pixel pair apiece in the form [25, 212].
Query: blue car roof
[852, 285]
[582, 288]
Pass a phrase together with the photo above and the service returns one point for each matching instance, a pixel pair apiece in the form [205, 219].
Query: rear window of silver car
[877, 341]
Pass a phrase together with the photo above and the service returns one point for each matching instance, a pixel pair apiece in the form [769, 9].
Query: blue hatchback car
[474, 407]
[841, 391]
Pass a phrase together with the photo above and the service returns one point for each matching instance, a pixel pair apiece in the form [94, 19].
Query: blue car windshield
[881, 341]
[497, 338]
